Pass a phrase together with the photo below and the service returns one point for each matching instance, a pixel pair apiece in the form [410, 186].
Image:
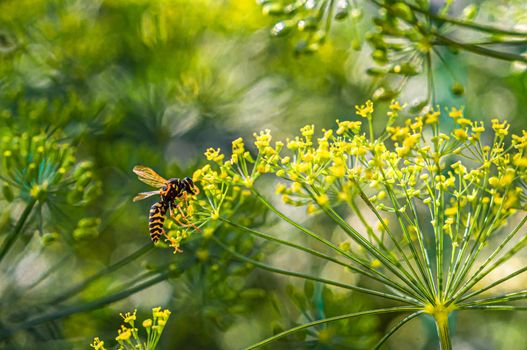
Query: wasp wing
[144, 195]
[149, 177]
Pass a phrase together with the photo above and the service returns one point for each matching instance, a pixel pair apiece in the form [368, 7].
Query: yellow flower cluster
[410, 162]
[128, 336]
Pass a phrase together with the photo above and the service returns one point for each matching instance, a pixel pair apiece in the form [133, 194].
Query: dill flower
[129, 338]
[97, 344]
[422, 190]
[365, 110]
[129, 318]
[124, 334]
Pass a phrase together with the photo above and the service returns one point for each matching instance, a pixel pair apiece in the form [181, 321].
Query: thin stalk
[464, 246]
[356, 236]
[483, 51]
[464, 23]
[326, 242]
[370, 126]
[476, 249]
[478, 275]
[482, 238]
[459, 256]
[494, 284]
[330, 319]
[289, 244]
[396, 327]
[395, 269]
[440, 246]
[469, 284]
[500, 298]
[414, 252]
[301, 228]
[8, 242]
[313, 278]
[387, 229]
[495, 307]
[365, 223]
[315, 253]
[420, 238]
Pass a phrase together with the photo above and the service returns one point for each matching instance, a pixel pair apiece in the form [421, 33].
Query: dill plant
[45, 175]
[407, 38]
[128, 336]
[439, 212]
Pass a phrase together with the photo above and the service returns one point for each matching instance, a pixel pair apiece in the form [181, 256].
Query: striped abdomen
[157, 220]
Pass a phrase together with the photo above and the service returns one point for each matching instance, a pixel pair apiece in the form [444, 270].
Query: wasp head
[188, 185]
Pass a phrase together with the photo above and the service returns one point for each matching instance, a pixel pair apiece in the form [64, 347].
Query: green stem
[464, 23]
[18, 229]
[330, 319]
[370, 126]
[331, 245]
[395, 268]
[483, 51]
[314, 278]
[480, 275]
[521, 295]
[441, 320]
[396, 327]
[495, 307]
[395, 203]
[313, 252]
[492, 285]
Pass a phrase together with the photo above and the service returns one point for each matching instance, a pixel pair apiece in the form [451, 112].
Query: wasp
[170, 190]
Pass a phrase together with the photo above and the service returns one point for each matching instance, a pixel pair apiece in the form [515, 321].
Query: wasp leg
[184, 217]
[182, 224]
[185, 198]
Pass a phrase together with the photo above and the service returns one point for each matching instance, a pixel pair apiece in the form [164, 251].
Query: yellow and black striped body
[157, 219]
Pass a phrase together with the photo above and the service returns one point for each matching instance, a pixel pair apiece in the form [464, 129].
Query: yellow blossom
[214, 155]
[347, 125]
[128, 317]
[501, 129]
[395, 106]
[124, 334]
[456, 113]
[460, 134]
[97, 344]
[463, 121]
[238, 146]
[365, 110]
[432, 117]
[263, 139]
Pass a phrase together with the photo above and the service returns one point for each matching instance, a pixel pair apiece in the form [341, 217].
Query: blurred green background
[156, 83]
